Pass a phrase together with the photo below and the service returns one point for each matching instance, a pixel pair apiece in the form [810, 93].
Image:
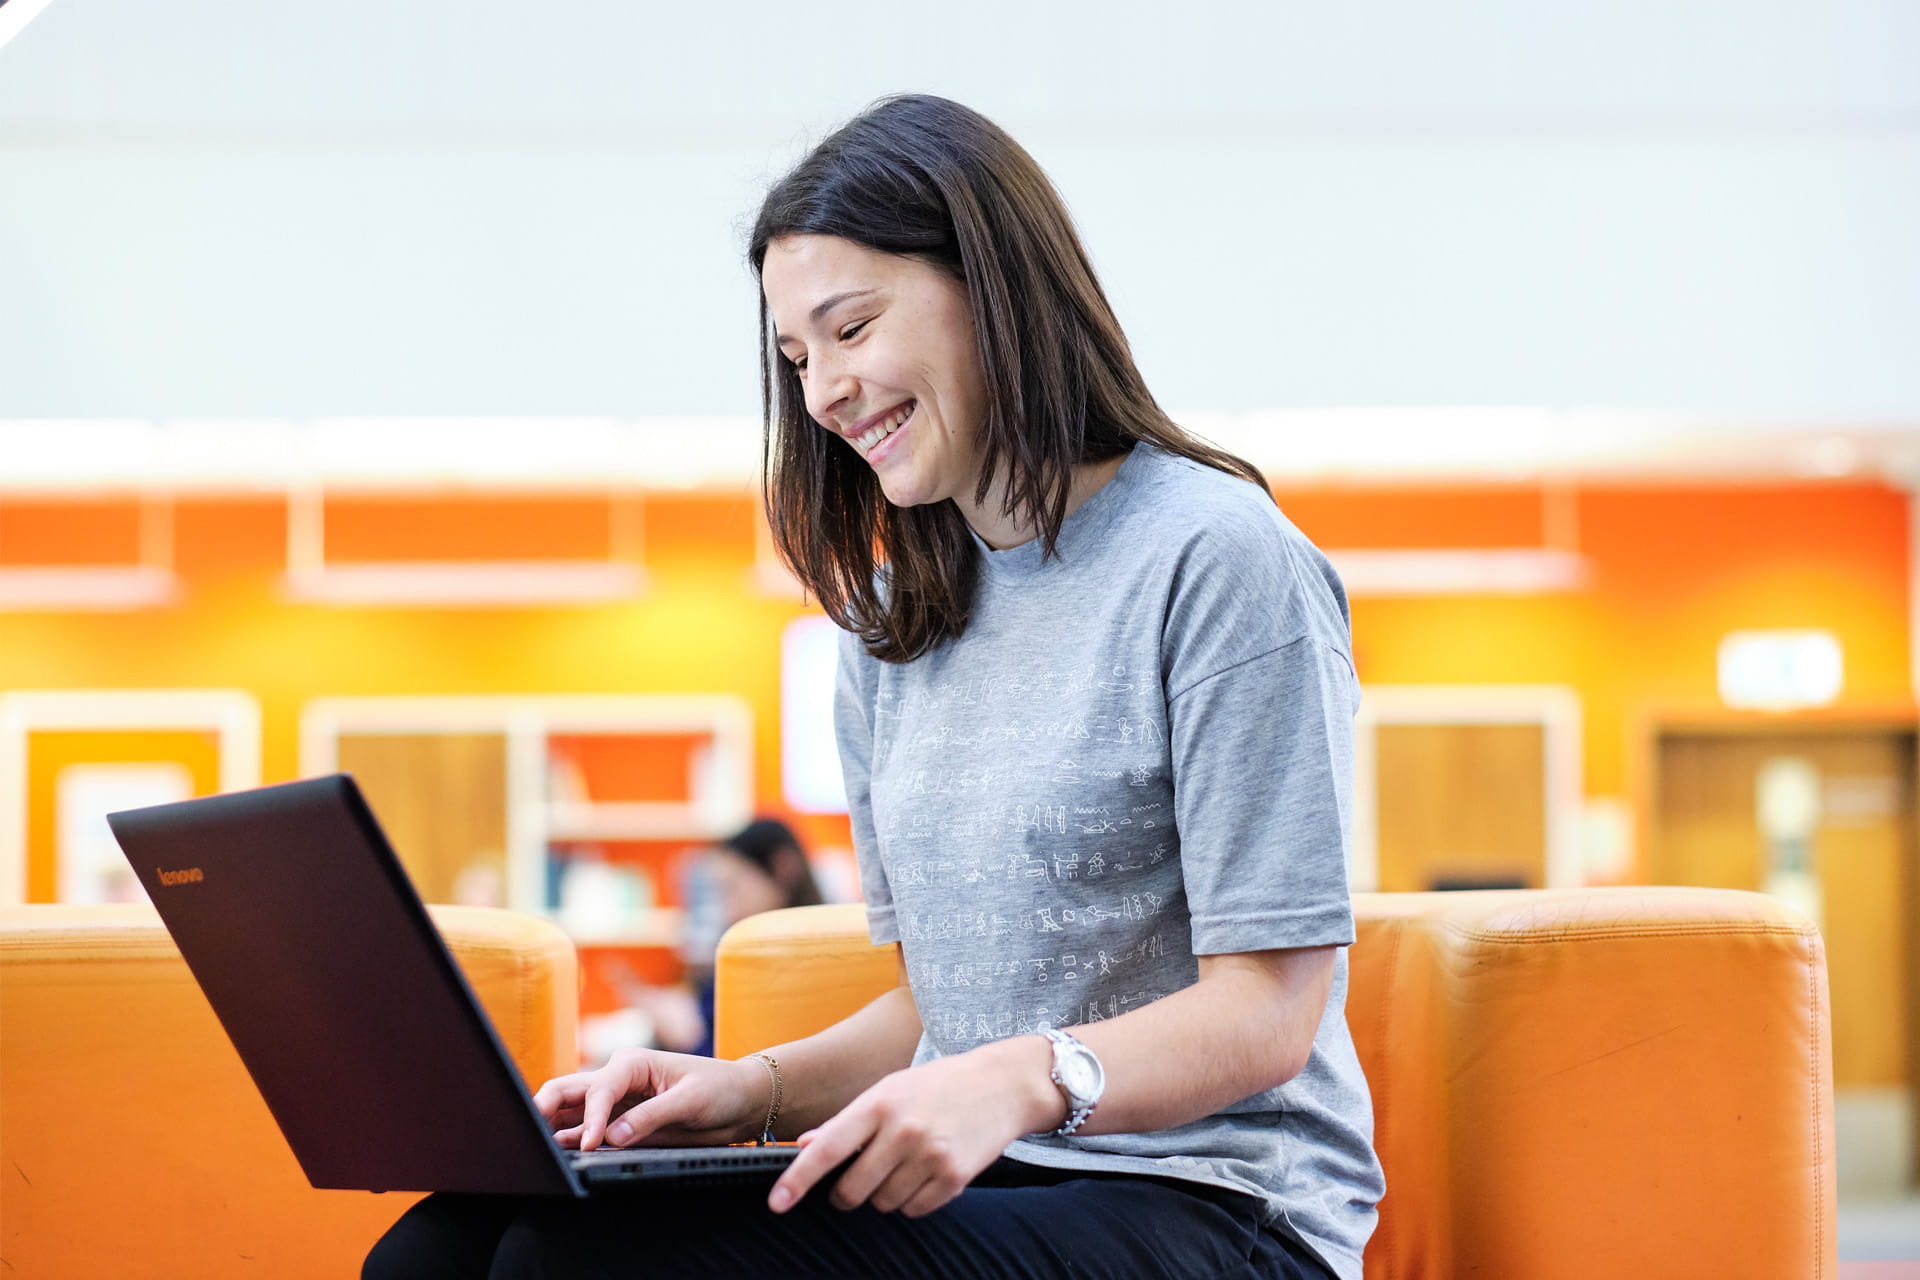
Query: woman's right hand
[644, 1097]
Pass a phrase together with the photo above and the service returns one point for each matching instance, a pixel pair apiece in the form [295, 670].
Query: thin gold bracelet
[774, 1100]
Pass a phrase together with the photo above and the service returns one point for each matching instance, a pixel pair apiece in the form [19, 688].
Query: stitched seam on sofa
[91, 956]
[1813, 1110]
[82, 943]
[483, 949]
[524, 987]
[824, 945]
[1548, 934]
[1386, 1071]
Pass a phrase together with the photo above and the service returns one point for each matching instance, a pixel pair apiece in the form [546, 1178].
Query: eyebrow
[820, 309]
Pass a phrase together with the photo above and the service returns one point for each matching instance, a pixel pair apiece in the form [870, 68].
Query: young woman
[760, 867]
[1095, 715]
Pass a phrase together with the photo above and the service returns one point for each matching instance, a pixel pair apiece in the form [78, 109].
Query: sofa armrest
[787, 974]
[1616, 1081]
[132, 1140]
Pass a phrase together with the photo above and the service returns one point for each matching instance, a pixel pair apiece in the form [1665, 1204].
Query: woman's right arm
[827, 1070]
[643, 1096]
[646, 1097]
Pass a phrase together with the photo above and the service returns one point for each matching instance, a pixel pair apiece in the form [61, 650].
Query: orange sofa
[1567, 1084]
[132, 1141]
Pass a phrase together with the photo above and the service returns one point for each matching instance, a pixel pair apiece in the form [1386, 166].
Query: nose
[829, 386]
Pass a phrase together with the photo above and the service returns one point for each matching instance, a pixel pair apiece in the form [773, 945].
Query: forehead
[726, 864]
[800, 273]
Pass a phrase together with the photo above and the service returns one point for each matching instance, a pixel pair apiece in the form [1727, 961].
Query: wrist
[763, 1089]
[1077, 1072]
[1026, 1063]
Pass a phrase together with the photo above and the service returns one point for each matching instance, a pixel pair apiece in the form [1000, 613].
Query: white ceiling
[224, 208]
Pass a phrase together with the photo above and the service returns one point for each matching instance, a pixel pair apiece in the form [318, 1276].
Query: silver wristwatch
[1080, 1077]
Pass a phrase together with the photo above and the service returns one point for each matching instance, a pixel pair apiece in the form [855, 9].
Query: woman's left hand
[921, 1135]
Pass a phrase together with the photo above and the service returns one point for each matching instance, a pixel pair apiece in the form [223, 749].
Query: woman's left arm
[1247, 1025]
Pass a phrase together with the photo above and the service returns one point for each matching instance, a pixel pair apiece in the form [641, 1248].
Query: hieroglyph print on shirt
[1026, 826]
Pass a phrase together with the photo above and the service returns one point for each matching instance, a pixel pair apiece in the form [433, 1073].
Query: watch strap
[1077, 1109]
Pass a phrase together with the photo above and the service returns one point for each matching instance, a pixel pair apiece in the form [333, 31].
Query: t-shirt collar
[1079, 531]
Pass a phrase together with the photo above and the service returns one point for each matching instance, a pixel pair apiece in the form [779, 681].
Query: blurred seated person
[762, 867]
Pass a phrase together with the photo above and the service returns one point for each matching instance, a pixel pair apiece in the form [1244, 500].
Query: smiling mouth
[871, 437]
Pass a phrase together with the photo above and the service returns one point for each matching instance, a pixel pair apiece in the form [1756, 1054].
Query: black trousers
[1028, 1224]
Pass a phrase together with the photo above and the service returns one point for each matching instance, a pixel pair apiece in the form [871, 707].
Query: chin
[906, 495]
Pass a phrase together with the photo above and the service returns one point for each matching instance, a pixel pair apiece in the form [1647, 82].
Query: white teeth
[880, 431]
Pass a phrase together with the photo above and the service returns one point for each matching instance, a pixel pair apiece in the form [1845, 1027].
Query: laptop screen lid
[346, 1007]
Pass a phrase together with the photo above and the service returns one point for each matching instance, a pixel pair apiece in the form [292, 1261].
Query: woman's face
[744, 889]
[884, 347]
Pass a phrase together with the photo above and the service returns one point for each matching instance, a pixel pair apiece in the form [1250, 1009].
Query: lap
[1055, 1225]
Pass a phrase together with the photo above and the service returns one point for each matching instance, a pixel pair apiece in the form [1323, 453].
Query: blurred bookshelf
[580, 808]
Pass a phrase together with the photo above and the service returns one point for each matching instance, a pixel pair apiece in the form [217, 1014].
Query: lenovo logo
[188, 875]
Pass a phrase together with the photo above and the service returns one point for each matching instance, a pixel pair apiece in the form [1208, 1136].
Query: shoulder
[854, 658]
[858, 670]
[1167, 477]
[1234, 553]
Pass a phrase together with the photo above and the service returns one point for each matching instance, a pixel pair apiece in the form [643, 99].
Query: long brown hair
[928, 178]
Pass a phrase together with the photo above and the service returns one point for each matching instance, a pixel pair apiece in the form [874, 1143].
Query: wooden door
[1707, 830]
[1461, 804]
[442, 799]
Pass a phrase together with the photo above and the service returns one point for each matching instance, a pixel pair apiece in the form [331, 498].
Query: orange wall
[699, 627]
[1674, 568]
[53, 751]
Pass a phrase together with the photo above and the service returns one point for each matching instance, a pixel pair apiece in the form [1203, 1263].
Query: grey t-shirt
[1137, 753]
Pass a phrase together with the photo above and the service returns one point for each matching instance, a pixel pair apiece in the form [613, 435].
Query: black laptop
[357, 1026]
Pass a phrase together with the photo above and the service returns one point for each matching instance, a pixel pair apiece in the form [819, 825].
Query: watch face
[1080, 1073]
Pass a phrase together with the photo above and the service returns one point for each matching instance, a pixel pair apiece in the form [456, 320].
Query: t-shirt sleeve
[1263, 797]
[853, 703]
[1261, 697]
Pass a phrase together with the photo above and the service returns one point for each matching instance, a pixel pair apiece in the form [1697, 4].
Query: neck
[1003, 533]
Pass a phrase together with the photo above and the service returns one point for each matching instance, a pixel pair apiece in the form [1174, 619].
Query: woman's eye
[847, 334]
